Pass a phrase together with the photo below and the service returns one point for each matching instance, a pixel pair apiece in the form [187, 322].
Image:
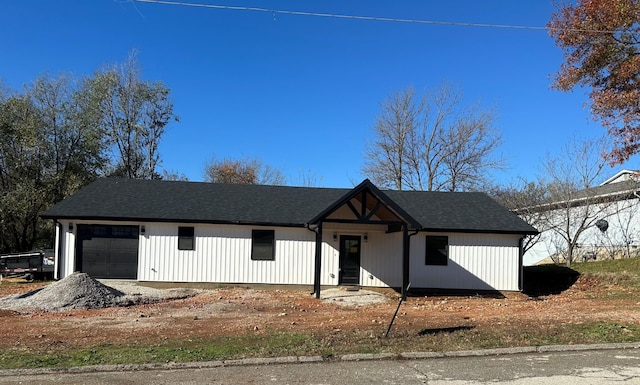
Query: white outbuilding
[171, 231]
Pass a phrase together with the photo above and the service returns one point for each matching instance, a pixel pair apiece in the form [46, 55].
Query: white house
[608, 212]
[151, 230]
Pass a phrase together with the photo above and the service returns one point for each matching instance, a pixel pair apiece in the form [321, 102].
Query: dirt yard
[240, 311]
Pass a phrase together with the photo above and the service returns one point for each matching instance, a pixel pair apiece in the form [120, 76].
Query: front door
[349, 260]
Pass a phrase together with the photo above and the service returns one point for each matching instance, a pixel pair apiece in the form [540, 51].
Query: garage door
[107, 251]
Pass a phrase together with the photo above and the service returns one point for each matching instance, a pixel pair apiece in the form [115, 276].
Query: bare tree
[431, 143]
[134, 114]
[524, 199]
[308, 178]
[575, 206]
[242, 171]
[428, 145]
[470, 144]
[386, 157]
[173, 175]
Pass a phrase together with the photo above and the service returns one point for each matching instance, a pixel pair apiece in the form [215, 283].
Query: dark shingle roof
[455, 211]
[198, 202]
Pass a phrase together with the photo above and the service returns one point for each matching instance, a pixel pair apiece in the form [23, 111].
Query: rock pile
[76, 291]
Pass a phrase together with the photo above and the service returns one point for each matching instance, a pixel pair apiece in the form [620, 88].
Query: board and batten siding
[223, 254]
[381, 260]
[476, 262]
[380, 255]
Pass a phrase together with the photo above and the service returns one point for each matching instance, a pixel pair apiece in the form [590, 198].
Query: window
[263, 245]
[185, 238]
[437, 251]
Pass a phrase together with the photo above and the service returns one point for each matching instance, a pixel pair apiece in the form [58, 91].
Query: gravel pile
[81, 291]
[343, 297]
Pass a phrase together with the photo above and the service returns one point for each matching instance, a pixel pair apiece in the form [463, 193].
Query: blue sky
[301, 93]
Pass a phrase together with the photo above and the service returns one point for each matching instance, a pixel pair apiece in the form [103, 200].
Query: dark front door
[349, 260]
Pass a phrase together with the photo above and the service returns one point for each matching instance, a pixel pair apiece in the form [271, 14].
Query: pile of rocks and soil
[81, 291]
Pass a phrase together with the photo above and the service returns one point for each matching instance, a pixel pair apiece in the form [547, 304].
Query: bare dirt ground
[242, 311]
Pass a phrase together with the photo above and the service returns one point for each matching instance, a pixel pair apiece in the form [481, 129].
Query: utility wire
[356, 17]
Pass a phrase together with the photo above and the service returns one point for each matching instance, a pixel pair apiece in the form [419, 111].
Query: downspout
[406, 262]
[415, 232]
[58, 249]
[521, 264]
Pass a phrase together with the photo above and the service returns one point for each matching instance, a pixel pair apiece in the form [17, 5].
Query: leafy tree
[242, 171]
[61, 133]
[601, 41]
[22, 158]
[72, 136]
[431, 143]
[51, 147]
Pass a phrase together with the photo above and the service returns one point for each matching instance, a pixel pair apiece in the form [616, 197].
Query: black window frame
[260, 241]
[435, 255]
[186, 238]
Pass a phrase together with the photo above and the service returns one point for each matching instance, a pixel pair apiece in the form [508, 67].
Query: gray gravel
[81, 291]
[343, 297]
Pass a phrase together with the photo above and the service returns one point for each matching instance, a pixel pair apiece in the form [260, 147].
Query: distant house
[612, 221]
[150, 230]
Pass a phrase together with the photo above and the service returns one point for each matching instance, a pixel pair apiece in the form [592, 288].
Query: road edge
[318, 359]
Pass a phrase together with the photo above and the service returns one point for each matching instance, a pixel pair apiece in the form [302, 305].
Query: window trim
[257, 239]
[439, 259]
[186, 234]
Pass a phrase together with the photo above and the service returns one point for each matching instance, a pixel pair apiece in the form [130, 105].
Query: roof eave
[170, 220]
[481, 231]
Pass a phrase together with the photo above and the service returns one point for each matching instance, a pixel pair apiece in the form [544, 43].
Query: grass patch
[609, 332]
[628, 265]
[185, 350]
[551, 279]
[327, 345]
[620, 277]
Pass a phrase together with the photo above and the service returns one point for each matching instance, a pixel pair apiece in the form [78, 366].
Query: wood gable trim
[368, 208]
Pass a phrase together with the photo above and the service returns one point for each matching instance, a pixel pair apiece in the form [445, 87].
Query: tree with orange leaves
[601, 42]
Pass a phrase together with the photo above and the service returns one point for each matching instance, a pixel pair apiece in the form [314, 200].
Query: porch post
[405, 260]
[318, 261]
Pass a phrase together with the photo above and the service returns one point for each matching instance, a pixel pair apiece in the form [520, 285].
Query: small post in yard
[402, 298]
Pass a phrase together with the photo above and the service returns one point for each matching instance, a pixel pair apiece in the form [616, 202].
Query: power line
[357, 17]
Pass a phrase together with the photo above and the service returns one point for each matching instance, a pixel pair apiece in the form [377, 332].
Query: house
[606, 216]
[151, 230]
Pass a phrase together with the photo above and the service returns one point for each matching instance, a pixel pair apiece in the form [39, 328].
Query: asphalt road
[620, 366]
